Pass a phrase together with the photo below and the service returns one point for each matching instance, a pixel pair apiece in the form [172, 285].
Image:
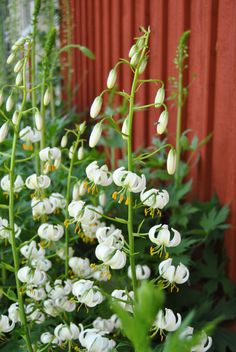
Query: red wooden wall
[107, 27]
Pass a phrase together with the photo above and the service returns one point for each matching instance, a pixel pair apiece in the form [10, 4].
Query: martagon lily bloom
[29, 135]
[18, 184]
[87, 293]
[167, 321]
[154, 200]
[50, 232]
[51, 158]
[173, 275]
[160, 235]
[129, 181]
[93, 341]
[37, 183]
[97, 176]
[143, 272]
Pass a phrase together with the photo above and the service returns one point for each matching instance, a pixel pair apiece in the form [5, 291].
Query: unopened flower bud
[96, 107]
[71, 152]
[82, 127]
[134, 59]
[102, 199]
[38, 120]
[64, 141]
[133, 50]
[46, 97]
[140, 43]
[15, 118]
[18, 66]
[19, 78]
[160, 96]
[162, 122]
[1, 97]
[125, 128]
[4, 131]
[111, 79]
[80, 153]
[10, 58]
[9, 103]
[142, 66]
[95, 135]
[171, 162]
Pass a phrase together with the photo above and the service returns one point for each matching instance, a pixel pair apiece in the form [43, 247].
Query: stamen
[114, 195]
[121, 198]
[127, 201]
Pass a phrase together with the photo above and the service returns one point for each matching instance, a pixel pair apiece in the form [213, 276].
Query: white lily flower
[110, 233]
[160, 235]
[5, 231]
[4, 131]
[171, 162]
[101, 273]
[5, 325]
[36, 293]
[125, 300]
[87, 293]
[29, 135]
[42, 264]
[111, 79]
[50, 308]
[61, 253]
[31, 276]
[82, 213]
[95, 135]
[80, 267]
[57, 200]
[65, 332]
[204, 345]
[166, 320]
[98, 175]
[93, 341]
[143, 272]
[96, 107]
[173, 275]
[50, 232]
[47, 338]
[162, 122]
[160, 96]
[18, 184]
[14, 312]
[30, 251]
[9, 103]
[104, 325]
[154, 199]
[35, 182]
[51, 157]
[34, 314]
[41, 207]
[115, 258]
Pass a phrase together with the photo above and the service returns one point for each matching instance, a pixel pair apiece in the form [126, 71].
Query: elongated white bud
[1, 97]
[4, 131]
[95, 135]
[162, 122]
[15, 118]
[171, 162]
[142, 66]
[160, 96]
[10, 58]
[18, 66]
[102, 199]
[96, 107]
[80, 153]
[71, 152]
[133, 50]
[111, 79]
[134, 59]
[9, 103]
[82, 127]
[46, 97]
[38, 120]
[64, 141]
[125, 128]
[19, 78]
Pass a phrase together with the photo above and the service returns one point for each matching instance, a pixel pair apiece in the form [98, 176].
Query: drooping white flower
[36, 293]
[173, 275]
[65, 332]
[35, 182]
[95, 135]
[161, 236]
[204, 345]
[160, 96]
[14, 312]
[167, 321]
[4, 131]
[5, 325]
[31, 276]
[82, 213]
[154, 199]
[93, 341]
[162, 122]
[124, 299]
[18, 184]
[50, 232]
[143, 272]
[80, 267]
[51, 158]
[171, 162]
[61, 253]
[41, 207]
[111, 79]
[98, 175]
[30, 251]
[47, 338]
[106, 325]
[34, 314]
[87, 293]
[5, 231]
[57, 200]
[96, 107]
[29, 135]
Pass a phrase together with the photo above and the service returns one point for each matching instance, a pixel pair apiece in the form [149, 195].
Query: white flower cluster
[5, 231]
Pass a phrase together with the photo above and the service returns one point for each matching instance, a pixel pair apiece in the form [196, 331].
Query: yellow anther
[27, 146]
[93, 265]
[53, 168]
[127, 201]
[159, 213]
[88, 189]
[146, 211]
[152, 251]
[85, 185]
[121, 198]
[66, 223]
[114, 195]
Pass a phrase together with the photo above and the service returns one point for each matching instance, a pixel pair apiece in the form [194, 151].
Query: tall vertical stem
[15, 252]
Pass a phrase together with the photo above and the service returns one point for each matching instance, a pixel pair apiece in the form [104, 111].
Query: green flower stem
[42, 111]
[68, 193]
[130, 165]
[15, 252]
